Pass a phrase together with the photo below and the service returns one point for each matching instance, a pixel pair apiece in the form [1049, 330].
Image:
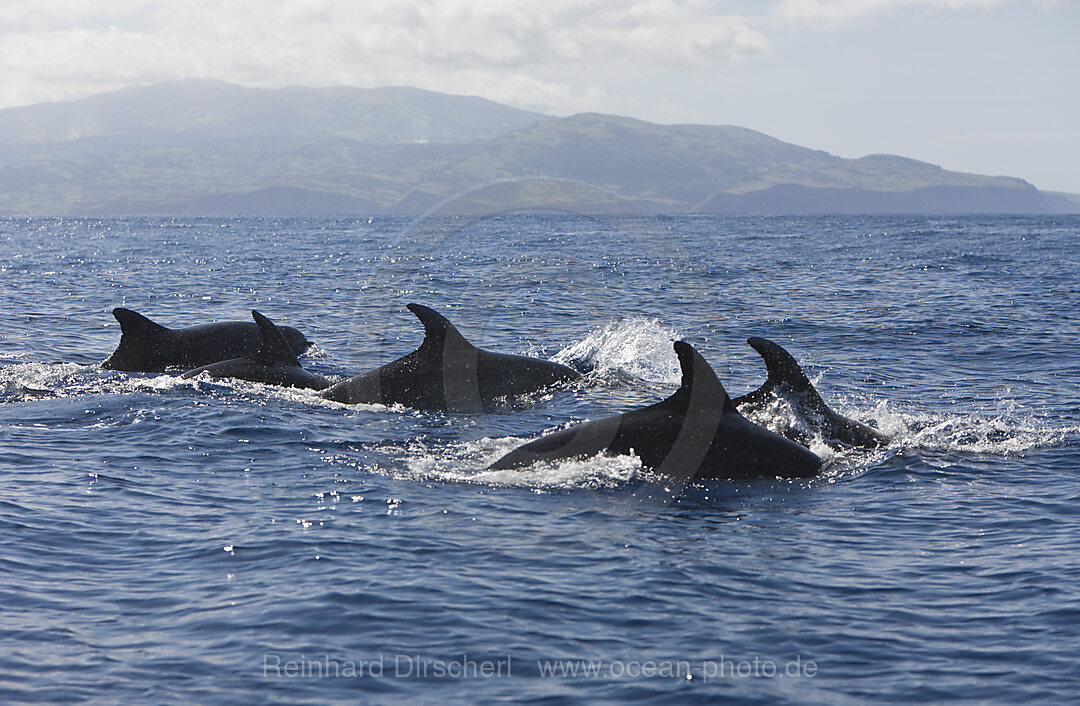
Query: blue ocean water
[166, 540]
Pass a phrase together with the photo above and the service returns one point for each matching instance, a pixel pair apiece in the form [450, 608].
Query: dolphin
[274, 364]
[148, 347]
[787, 380]
[696, 433]
[447, 373]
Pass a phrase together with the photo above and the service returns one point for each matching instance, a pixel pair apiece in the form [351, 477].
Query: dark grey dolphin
[695, 434]
[787, 380]
[447, 373]
[148, 347]
[274, 364]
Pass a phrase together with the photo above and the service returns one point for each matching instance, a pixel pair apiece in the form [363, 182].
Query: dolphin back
[273, 364]
[787, 380]
[142, 344]
[273, 348]
[149, 347]
[448, 373]
[695, 433]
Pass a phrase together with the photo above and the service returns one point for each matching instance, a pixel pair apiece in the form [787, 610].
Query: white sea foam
[27, 381]
[468, 461]
[315, 352]
[1009, 433]
[40, 375]
[637, 348]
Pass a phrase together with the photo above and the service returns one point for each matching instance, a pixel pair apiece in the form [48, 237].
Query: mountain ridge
[192, 147]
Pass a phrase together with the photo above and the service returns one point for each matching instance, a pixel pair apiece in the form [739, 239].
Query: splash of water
[635, 349]
[468, 461]
[1010, 433]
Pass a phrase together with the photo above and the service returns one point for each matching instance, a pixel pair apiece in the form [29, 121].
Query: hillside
[680, 168]
[207, 147]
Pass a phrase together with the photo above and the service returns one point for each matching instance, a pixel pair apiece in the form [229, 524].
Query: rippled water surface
[173, 540]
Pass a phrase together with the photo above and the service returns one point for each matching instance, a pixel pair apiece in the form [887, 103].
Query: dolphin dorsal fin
[135, 324]
[784, 370]
[699, 381]
[438, 331]
[274, 348]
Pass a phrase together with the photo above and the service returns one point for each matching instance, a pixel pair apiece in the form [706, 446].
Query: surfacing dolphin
[788, 381]
[695, 433]
[447, 373]
[148, 347]
[274, 364]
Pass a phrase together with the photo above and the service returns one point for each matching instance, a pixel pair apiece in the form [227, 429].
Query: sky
[983, 86]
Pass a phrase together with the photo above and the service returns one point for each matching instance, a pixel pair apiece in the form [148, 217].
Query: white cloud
[550, 55]
[832, 13]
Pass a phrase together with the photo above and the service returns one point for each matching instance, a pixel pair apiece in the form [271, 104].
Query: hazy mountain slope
[185, 112]
[212, 147]
[158, 147]
[679, 167]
